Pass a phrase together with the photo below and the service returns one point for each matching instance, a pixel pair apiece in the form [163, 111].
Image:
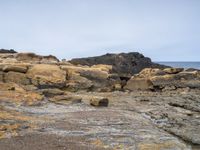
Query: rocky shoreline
[114, 101]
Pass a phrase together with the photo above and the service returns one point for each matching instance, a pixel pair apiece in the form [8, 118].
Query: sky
[164, 30]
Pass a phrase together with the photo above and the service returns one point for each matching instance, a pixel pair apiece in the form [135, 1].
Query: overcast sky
[164, 30]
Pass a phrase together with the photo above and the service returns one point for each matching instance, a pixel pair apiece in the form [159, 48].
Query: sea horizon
[181, 64]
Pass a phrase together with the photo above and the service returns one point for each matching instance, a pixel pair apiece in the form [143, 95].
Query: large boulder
[124, 64]
[76, 82]
[45, 76]
[99, 101]
[138, 84]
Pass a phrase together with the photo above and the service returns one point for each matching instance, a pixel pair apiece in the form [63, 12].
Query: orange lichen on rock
[26, 98]
[12, 122]
[11, 92]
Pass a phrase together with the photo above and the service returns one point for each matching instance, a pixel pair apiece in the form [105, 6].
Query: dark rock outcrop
[7, 51]
[124, 64]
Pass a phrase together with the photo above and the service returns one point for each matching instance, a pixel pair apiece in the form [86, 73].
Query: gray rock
[7, 51]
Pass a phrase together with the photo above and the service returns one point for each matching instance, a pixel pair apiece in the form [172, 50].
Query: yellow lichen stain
[98, 142]
[27, 98]
[158, 146]
[8, 129]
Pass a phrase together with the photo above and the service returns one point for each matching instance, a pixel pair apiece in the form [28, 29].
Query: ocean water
[195, 65]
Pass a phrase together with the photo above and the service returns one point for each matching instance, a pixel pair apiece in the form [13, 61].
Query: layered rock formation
[169, 78]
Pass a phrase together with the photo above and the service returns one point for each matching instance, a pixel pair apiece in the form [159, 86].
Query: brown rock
[88, 78]
[15, 68]
[27, 57]
[1, 76]
[66, 99]
[95, 75]
[106, 68]
[173, 70]
[76, 82]
[138, 84]
[52, 92]
[9, 61]
[99, 101]
[16, 77]
[88, 72]
[118, 87]
[1, 67]
[13, 93]
[45, 76]
[31, 57]
[149, 72]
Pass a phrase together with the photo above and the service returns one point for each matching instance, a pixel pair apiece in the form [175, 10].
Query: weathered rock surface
[37, 107]
[137, 120]
[16, 77]
[14, 94]
[124, 64]
[76, 82]
[96, 77]
[45, 76]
